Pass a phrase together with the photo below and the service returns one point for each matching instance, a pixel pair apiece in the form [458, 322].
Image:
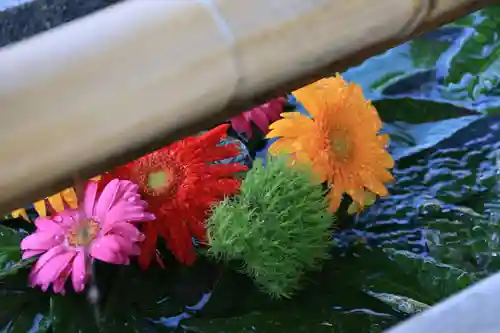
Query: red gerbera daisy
[180, 184]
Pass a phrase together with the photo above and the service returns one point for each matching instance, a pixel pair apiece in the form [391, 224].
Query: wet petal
[52, 269]
[126, 230]
[60, 282]
[107, 250]
[90, 198]
[47, 224]
[125, 211]
[47, 256]
[31, 253]
[79, 273]
[68, 218]
[41, 240]
[106, 199]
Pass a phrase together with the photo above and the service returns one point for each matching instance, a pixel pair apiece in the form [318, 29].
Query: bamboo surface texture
[105, 88]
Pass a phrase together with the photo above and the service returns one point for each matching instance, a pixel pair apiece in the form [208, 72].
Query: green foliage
[478, 56]
[278, 226]
[10, 252]
[418, 111]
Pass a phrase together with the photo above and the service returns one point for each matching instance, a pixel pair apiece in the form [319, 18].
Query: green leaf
[445, 201]
[418, 111]
[72, 313]
[478, 56]
[22, 309]
[131, 305]
[420, 278]
[330, 301]
[292, 320]
[10, 252]
[33, 318]
[425, 51]
[379, 71]
[408, 139]
[413, 60]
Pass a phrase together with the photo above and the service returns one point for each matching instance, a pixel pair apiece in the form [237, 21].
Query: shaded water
[437, 232]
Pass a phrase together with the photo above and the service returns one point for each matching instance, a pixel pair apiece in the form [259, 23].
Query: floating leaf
[409, 139]
[477, 60]
[418, 111]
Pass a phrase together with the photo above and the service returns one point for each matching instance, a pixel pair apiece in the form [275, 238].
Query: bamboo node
[229, 37]
[423, 9]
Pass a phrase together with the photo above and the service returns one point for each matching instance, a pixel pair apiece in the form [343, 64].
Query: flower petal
[68, 218]
[125, 247]
[125, 211]
[148, 248]
[41, 240]
[90, 198]
[260, 119]
[60, 282]
[106, 249]
[241, 125]
[31, 253]
[47, 256]
[47, 224]
[52, 269]
[106, 199]
[127, 231]
[79, 272]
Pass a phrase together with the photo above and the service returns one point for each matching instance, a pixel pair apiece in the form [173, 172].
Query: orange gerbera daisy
[340, 140]
[180, 183]
[57, 202]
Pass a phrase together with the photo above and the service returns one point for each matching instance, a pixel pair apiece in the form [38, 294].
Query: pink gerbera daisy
[102, 229]
[262, 116]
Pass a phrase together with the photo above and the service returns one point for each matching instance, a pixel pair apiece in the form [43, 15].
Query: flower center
[158, 175]
[83, 233]
[158, 180]
[340, 144]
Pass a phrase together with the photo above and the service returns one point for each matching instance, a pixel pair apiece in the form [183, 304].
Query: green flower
[278, 226]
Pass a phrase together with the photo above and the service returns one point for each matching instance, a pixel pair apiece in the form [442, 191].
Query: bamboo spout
[104, 89]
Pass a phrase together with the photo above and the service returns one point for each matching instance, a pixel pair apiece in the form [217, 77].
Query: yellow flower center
[159, 176]
[84, 233]
[158, 180]
[340, 144]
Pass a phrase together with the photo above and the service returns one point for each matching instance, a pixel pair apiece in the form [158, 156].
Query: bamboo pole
[96, 92]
